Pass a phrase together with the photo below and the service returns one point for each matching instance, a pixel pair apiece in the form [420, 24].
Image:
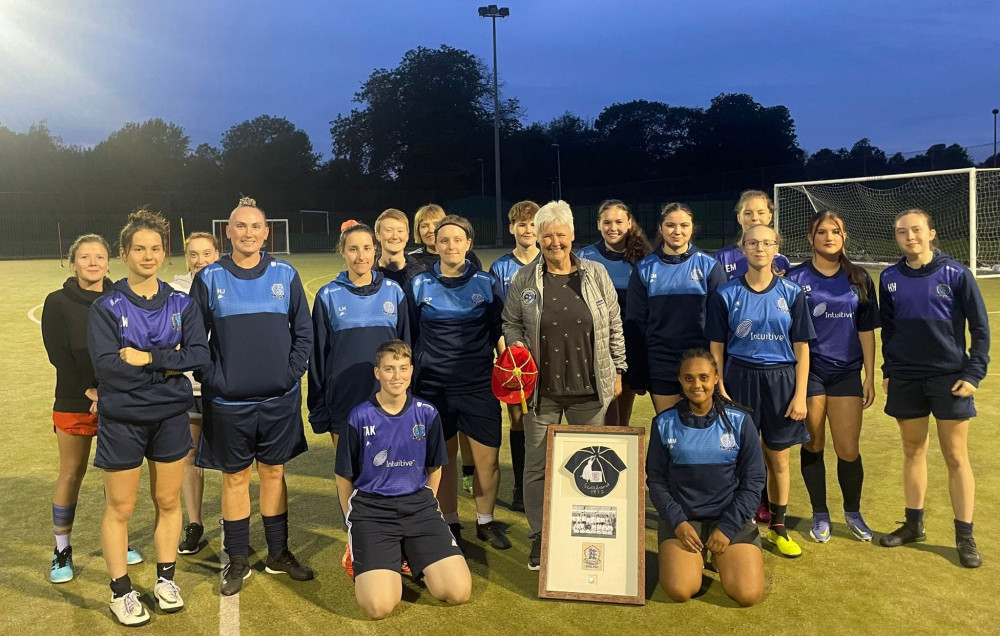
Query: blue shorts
[234, 434]
[380, 530]
[477, 415]
[912, 399]
[747, 534]
[767, 391]
[123, 445]
[843, 384]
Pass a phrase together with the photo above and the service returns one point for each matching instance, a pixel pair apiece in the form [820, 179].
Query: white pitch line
[31, 314]
[229, 606]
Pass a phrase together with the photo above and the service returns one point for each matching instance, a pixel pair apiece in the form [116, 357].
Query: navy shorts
[843, 384]
[665, 387]
[747, 534]
[477, 415]
[234, 434]
[197, 409]
[123, 445]
[912, 399]
[380, 530]
[767, 391]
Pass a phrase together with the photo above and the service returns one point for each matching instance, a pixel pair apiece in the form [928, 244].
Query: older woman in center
[565, 310]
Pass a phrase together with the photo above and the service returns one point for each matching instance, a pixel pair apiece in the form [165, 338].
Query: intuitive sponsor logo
[782, 304]
[278, 289]
[175, 322]
[767, 336]
[528, 296]
[744, 328]
[400, 463]
[727, 441]
[380, 457]
[389, 308]
[697, 275]
[819, 310]
[943, 290]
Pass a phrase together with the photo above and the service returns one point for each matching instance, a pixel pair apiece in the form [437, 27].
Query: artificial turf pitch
[844, 586]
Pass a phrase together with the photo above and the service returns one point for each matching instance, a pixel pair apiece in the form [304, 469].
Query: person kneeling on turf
[387, 477]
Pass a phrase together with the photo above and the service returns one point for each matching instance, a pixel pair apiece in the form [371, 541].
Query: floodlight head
[996, 111]
[504, 12]
[492, 11]
[484, 12]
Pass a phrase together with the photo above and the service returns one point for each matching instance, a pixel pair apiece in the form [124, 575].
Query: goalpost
[964, 203]
[278, 241]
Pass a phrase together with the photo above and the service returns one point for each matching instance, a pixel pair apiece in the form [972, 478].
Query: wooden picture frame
[594, 517]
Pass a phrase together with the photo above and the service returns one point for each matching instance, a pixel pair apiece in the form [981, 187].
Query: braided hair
[719, 401]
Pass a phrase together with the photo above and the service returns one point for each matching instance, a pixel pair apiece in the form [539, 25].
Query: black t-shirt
[567, 338]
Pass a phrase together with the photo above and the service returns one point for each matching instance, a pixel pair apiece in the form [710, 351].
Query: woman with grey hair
[565, 310]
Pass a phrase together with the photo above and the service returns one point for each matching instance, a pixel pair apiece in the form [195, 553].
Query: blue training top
[667, 299]
[349, 325]
[504, 268]
[618, 269]
[735, 262]
[759, 327]
[158, 325]
[389, 455]
[838, 316]
[924, 312]
[705, 467]
[455, 326]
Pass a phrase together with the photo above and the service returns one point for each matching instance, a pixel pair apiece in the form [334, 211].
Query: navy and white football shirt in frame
[734, 262]
[759, 327]
[388, 455]
[349, 325]
[838, 315]
[923, 313]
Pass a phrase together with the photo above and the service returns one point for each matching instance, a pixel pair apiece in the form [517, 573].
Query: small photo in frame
[594, 516]
[594, 521]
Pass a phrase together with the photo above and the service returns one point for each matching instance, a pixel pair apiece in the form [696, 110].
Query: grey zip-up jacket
[522, 314]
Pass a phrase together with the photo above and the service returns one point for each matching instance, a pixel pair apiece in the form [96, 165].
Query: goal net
[965, 206]
[277, 242]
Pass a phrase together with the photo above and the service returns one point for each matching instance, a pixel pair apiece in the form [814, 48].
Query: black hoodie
[64, 332]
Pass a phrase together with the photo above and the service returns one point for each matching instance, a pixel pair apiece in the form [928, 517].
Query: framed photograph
[594, 520]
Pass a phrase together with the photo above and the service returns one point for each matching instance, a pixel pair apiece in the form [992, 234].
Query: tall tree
[267, 152]
[424, 123]
[146, 155]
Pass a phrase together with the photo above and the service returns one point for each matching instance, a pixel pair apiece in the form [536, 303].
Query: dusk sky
[905, 73]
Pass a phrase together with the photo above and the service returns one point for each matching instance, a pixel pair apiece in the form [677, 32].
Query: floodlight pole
[995, 112]
[493, 12]
[558, 170]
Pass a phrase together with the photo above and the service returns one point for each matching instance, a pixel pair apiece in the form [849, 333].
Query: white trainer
[168, 596]
[129, 611]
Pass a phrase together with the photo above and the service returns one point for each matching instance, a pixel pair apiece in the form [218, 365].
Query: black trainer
[535, 556]
[233, 575]
[968, 553]
[493, 534]
[905, 533]
[192, 539]
[517, 499]
[286, 563]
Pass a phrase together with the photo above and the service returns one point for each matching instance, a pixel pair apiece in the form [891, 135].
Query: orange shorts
[75, 423]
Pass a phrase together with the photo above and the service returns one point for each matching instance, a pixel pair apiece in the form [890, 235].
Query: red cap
[514, 376]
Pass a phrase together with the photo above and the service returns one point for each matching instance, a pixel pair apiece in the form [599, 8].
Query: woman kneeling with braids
[705, 472]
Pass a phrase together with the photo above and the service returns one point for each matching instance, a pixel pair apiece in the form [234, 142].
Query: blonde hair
[396, 348]
[429, 212]
[201, 235]
[393, 214]
[248, 202]
[522, 211]
[87, 238]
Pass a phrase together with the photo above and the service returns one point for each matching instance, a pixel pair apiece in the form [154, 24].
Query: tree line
[423, 131]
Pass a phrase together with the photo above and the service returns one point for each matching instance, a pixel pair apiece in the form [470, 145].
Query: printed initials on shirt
[124, 322]
[369, 430]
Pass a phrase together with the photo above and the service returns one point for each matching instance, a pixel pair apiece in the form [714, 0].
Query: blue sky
[906, 74]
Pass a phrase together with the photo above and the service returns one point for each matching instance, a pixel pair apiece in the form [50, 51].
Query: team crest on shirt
[528, 297]
[278, 290]
[478, 299]
[819, 310]
[943, 290]
[744, 328]
[855, 290]
[389, 308]
[175, 322]
[727, 441]
[783, 304]
[697, 275]
[419, 432]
